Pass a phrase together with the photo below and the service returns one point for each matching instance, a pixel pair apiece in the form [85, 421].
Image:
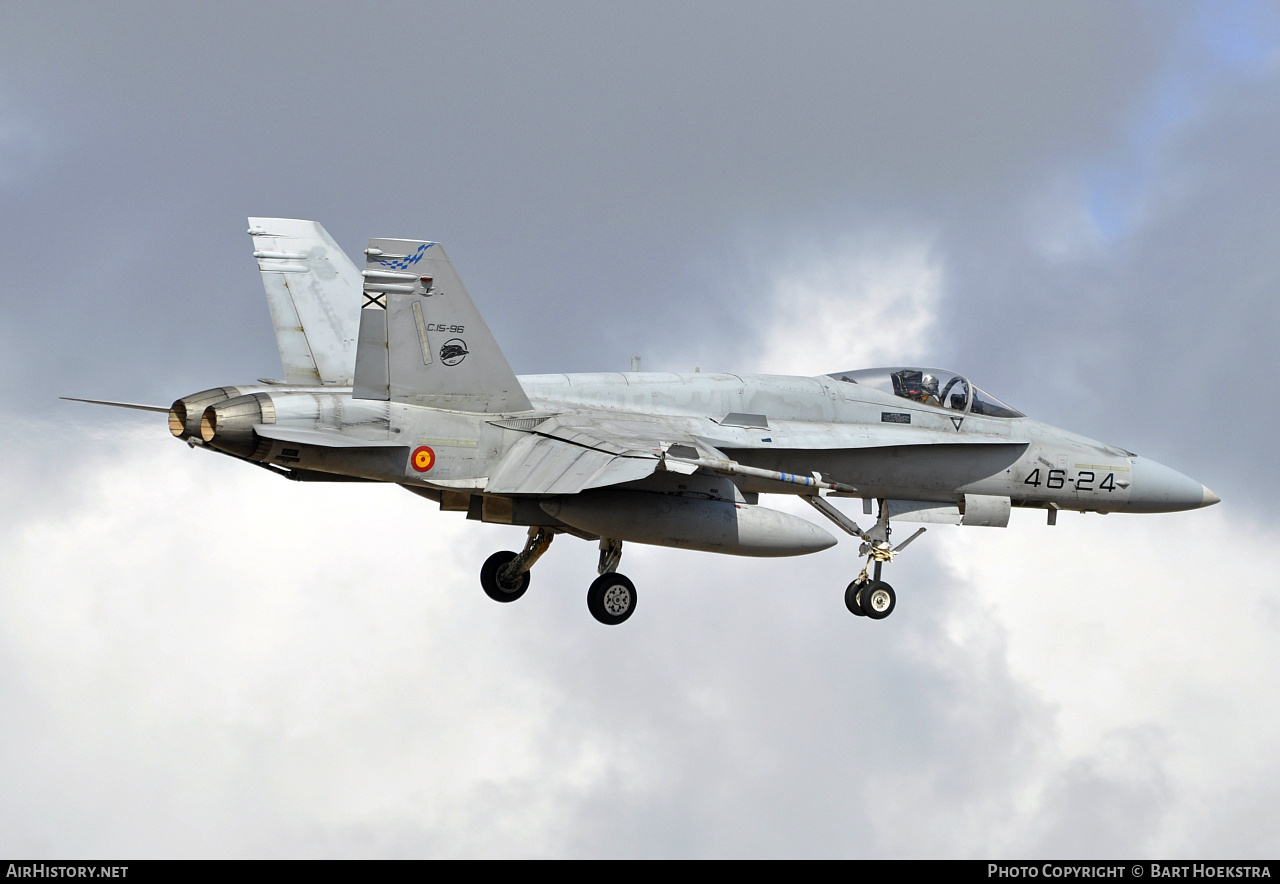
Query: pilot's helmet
[930, 384]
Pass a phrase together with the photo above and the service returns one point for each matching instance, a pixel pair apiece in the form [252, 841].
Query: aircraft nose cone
[1159, 489]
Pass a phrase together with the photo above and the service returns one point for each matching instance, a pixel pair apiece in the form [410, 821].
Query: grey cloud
[609, 181]
[1091, 813]
[578, 160]
[257, 709]
[1162, 339]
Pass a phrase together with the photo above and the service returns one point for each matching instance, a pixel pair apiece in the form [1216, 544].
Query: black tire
[878, 600]
[489, 578]
[611, 599]
[851, 599]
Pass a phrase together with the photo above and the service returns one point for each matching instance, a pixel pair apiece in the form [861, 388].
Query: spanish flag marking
[422, 459]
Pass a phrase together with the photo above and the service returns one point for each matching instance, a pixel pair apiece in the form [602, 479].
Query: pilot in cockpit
[929, 390]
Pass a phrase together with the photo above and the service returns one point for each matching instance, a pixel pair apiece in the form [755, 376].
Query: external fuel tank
[686, 522]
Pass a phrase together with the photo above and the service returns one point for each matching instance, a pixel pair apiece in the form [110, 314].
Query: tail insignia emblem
[409, 260]
[454, 351]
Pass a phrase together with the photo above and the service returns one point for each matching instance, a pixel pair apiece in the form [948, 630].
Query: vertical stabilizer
[422, 340]
[313, 291]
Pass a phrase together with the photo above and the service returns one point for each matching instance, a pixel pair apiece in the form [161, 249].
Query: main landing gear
[868, 595]
[611, 598]
[505, 575]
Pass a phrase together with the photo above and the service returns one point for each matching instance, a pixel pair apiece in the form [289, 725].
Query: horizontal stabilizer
[313, 291]
[421, 338]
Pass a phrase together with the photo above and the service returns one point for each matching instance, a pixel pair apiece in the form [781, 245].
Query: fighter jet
[391, 375]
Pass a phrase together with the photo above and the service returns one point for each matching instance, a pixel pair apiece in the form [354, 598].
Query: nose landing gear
[868, 596]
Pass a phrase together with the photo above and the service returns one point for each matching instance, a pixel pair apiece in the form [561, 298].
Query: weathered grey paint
[665, 458]
[590, 431]
[309, 282]
[439, 351]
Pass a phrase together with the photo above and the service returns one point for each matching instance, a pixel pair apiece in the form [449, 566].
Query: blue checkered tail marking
[408, 261]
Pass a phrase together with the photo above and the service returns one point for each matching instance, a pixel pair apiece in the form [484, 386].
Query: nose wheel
[874, 599]
[853, 601]
[867, 596]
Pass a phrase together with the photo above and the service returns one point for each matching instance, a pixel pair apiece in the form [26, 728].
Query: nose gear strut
[867, 595]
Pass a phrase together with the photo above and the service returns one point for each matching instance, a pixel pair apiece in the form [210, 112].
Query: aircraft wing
[544, 465]
[571, 453]
[575, 452]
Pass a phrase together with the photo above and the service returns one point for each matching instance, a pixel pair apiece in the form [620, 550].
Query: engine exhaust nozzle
[228, 426]
[185, 413]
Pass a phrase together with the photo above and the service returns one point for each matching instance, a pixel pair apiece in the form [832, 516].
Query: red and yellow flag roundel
[422, 459]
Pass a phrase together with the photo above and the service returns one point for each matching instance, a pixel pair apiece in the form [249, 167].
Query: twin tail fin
[312, 289]
[421, 338]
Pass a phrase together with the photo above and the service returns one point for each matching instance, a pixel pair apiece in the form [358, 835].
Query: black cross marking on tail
[376, 299]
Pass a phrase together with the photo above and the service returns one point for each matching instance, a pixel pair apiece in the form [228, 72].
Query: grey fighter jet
[392, 375]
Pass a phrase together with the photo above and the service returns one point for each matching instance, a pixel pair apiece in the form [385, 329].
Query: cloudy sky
[1077, 205]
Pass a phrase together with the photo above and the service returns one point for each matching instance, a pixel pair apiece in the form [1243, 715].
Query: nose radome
[1159, 489]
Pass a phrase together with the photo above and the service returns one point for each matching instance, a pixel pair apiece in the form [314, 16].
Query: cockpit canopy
[930, 386]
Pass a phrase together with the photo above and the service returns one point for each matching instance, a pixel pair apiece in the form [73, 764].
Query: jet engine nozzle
[185, 413]
[228, 426]
[721, 526]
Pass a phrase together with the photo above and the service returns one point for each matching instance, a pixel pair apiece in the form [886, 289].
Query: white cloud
[198, 658]
[1149, 642]
[1155, 640]
[863, 301]
[202, 658]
